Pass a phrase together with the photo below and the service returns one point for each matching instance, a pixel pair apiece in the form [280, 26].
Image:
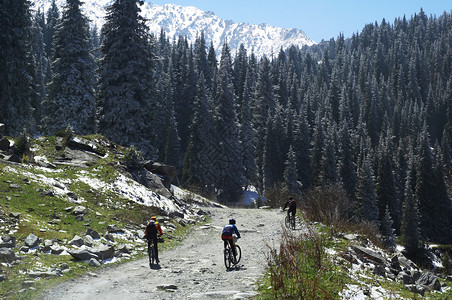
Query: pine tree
[410, 222]
[16, 90]
[387, 230]
[70, 100]
[291, 184]
[365, 192]
[198, 168]
[126, 82]
[52, 19]
[229, 177]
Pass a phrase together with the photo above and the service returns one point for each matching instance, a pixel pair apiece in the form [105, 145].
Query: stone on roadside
[31, 241]
[7, 255]
[94, 262]
[94, 234]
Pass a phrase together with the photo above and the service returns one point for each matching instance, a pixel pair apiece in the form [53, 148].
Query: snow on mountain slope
[190, 21]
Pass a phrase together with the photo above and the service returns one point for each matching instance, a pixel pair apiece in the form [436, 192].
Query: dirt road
[193, 270]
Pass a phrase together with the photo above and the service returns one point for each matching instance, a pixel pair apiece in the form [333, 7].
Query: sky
[319, 19]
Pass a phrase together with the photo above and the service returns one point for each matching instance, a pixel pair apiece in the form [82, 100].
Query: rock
[84, 254]
[416, 289]
[94, 234]
[395, 262]
[79, 218]
[3, 277]
[77, 241]
[369, 254]
[406, 263]
[114, 229]
[28, 283]
[7, 241]
[45, 274]
[104, 251]
[31, 241]
[169, 173]
[201, 212]
[89, 241]
[14, 186]
[167, 287]
[404, 278]
[122, 248]
[415, 275]
[4, 144]
[79, 210]
[14, 158]
[109, 236]
[56, 249]
[15, 215]
[430, 281]
[176, 214]
[72, 195]
[380, 270]
[94, 262]
[153, 182]
[7, 255]
[2, 128]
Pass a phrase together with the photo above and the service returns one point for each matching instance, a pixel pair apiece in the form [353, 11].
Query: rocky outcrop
[169, 173]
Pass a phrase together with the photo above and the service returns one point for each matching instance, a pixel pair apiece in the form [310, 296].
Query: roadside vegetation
[29, 204]
[315, 262]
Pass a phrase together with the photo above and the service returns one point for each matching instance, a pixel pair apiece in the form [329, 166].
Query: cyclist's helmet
[153, 218]
[231, 221]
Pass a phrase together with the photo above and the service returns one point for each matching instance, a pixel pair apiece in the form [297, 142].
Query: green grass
[37, 209]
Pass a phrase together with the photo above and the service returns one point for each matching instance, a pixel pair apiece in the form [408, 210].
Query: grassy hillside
[43, 200]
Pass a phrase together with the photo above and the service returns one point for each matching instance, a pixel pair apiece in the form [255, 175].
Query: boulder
[94, 234]
[123, 248]
[14, 158]
[404, 278]
[79, 210]
[430, 281]
[7, 241]
[7, 255]
[406, 263]
[169, 173]
[89, 241]
[31, 241]
[84, 254]
[77, 241]
[114, 229]
[369, 254]
[3, 277]
[4, 144]
[94, 262]
[2, 128]
[56, 249]
[104, 251]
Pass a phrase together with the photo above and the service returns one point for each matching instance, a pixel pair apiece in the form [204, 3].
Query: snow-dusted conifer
[70, 99]
[291, 183]
[126, 83]
[229, 177]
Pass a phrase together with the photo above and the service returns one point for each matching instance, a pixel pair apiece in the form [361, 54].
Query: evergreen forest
[371, 114]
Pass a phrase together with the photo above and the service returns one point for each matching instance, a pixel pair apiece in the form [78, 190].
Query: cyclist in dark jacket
[150, 233]
[227, 236]
[292, 207]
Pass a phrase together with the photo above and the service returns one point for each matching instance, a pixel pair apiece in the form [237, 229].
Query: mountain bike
[229, 260]
[151, 253]
[290, 221]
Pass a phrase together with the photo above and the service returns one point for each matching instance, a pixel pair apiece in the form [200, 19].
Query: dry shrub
[301, 269]
[328, 205]
[276, 196]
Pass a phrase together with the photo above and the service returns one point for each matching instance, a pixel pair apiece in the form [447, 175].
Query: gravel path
[193, 270]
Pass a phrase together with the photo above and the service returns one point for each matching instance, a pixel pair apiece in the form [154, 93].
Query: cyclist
[150, 233]
[292, 207]
[227, 237]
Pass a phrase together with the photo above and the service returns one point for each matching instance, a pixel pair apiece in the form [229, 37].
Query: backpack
[150, 231]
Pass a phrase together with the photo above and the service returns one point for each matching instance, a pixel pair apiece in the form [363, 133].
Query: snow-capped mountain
[190, 21]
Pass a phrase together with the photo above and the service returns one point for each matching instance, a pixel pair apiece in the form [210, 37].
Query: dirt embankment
[194, 269]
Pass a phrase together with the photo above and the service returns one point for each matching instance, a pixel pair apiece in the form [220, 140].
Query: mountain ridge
[189, 21]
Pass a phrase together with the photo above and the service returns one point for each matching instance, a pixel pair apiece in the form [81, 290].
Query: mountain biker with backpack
[292, 207]
[150, 233]
[227, 236]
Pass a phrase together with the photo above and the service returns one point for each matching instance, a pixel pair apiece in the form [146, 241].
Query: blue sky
[319, 19]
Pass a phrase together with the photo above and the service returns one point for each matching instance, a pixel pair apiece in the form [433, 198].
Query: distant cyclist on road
[227, 236]
[292, 207]
[150, 233]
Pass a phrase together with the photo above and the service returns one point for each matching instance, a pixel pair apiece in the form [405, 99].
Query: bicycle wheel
[151, 254]
[239, 253]
[287, 222]
[292, 223]
[227, 257]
